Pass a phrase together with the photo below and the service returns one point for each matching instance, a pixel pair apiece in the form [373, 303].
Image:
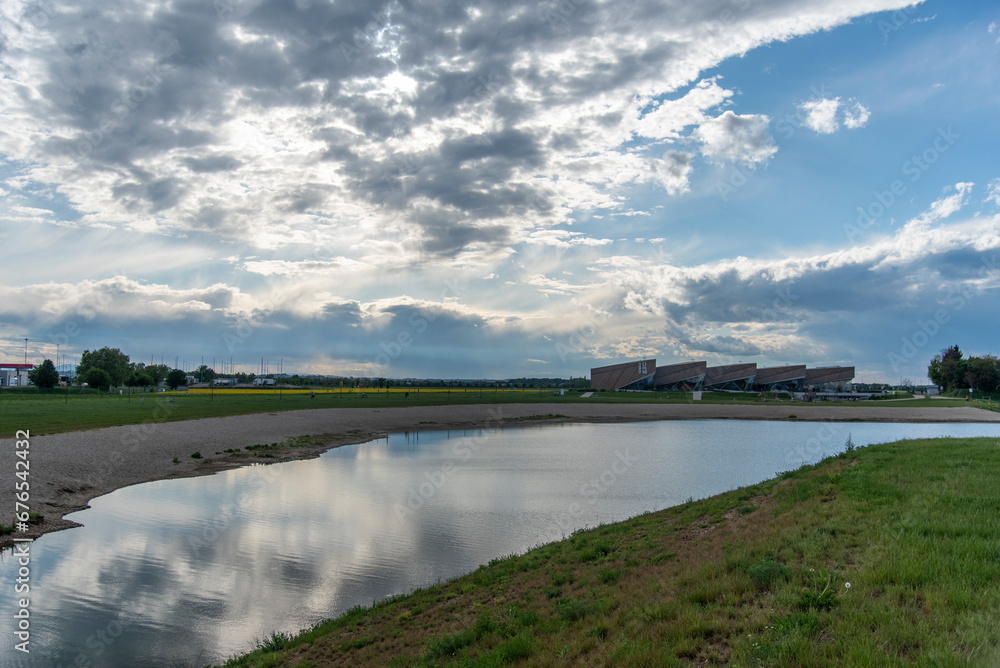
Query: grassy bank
[754, 577]
[58, 412]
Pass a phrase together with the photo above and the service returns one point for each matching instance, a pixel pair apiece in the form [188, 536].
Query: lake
[191, 571]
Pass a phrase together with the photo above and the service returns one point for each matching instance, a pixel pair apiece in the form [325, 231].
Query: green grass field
[883, 556]
[57, 412]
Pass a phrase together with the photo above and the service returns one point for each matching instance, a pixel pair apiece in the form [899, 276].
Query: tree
[141, 380]
[44, 375]
[111, 360]
[945, 369]
[981, 373]
[176, 378]
[157, 372]
[989, 373]
[204, 374]
[98, 378]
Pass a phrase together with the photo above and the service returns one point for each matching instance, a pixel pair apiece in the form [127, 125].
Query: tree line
[103, 369]
[110, 367]
[950, 370]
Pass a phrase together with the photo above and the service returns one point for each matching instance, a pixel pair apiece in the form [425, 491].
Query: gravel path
[68, 470]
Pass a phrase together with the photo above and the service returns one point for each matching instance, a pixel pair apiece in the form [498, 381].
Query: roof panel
[616, 376]
[829, 374]
[728, 373]
[676, 373]
[780, 374]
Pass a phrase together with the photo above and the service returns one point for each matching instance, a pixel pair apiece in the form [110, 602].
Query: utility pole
[25, 351]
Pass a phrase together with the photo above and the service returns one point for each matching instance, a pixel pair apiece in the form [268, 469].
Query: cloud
[732, 138]
[437, 130]
[827, 115]
[673, 171]
[821, 115]
[564, 239]
[302, 268]
[32, 212]
[331, 170]
[794, 308]
[993, 192]
[549, 286]
[946, 206]
[857, 116]
[669, 118]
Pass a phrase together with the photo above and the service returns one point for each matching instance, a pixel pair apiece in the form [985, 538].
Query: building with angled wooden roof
[626, 376]
[693, 376]
[829, 378]
[780, 378]
[683, 377]
[730, 377]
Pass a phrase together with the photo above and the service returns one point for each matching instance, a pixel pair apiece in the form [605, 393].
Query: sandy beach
[68, 470]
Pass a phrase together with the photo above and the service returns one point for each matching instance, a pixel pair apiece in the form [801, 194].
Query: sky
[500, 189]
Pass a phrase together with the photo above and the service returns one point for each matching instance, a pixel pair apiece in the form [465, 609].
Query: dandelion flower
[847, 585]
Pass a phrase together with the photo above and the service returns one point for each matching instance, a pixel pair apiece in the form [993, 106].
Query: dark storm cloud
[731, 297]
[210, 164]
[894, 304]
[348, 313]
[509, 146]
[156, 195]
[448, 238]
[469, 179]
[723, 345]
[304, 198]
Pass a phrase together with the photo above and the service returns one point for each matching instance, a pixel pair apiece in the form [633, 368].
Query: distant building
[738, 377]
[781, 378]
[694, 376]
[829, 379]
[627, 376]
[15, 375]
[683, 377]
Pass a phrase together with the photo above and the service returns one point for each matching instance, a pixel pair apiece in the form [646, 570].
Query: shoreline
[68, 470]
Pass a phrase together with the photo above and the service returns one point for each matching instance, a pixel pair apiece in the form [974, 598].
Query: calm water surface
[188, 572]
